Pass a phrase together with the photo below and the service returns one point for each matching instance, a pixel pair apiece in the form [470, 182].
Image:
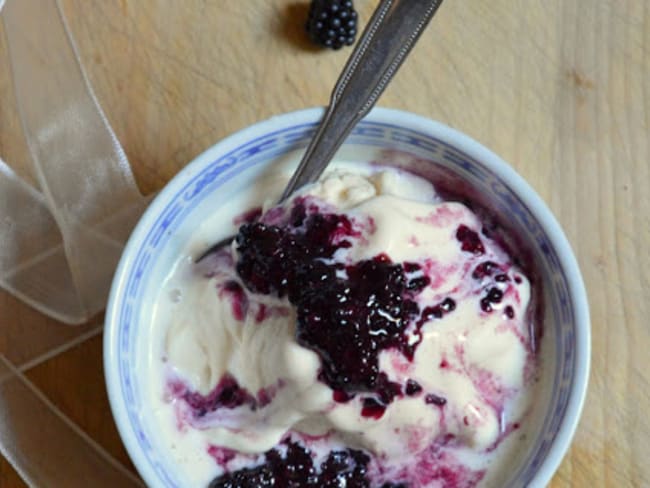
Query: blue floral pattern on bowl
[380, 135]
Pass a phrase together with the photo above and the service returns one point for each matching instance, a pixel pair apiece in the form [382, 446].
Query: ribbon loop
[60, 247]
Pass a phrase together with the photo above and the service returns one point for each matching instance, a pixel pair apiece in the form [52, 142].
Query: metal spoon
[387, 40]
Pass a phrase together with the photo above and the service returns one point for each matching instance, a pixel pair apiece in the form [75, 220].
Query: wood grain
[559, 88]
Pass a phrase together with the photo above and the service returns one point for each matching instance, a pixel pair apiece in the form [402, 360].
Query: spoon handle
[385, 43]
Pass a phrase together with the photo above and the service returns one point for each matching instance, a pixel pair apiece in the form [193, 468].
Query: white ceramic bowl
[423, 146]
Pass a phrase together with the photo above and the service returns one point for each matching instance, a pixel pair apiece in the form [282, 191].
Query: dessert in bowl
[467, 362]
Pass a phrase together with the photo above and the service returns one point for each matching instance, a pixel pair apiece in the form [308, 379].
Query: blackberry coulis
[332, 23]
[296, 469]
[346, 314]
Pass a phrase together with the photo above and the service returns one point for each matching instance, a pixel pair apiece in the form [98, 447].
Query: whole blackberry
[332, 23]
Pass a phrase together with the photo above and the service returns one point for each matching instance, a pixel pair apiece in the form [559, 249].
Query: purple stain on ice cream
[238, 299]
[352, 320]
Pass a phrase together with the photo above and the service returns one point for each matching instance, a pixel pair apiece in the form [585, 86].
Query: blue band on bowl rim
[277, 142]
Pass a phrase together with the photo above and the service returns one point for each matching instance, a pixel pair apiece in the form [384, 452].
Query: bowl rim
[408, 120]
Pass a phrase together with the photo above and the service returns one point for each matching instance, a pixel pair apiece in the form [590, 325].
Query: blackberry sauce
[346, 314]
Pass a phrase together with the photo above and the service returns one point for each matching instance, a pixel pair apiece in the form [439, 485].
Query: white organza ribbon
[60, 243]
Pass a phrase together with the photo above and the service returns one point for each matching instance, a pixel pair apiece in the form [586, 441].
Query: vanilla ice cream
[365, 313]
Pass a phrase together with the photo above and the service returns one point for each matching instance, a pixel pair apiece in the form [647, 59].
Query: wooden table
[559, 88]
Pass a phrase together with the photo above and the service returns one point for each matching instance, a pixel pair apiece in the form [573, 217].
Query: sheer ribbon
[60, 239]
[60, 243]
